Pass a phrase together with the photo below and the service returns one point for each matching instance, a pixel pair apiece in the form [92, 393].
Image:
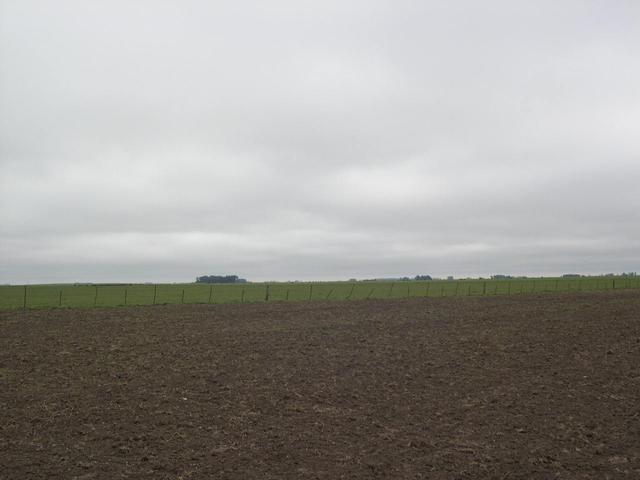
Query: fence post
[391, 290]
[310, 291]
[426, 292]
[182, 299]
[457, 287]
[210, 293]
[468, 289]
[509, 287]
[60, 299]
[329, 294]
[266, 295]
[351, 292]
[95, 298]
[484, 288]
[24, 301]
[242, 296]
[287, 295]
[125, 296]
[155, 291]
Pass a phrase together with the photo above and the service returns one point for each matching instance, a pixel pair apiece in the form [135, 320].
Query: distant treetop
[220, 279]
[423, 277]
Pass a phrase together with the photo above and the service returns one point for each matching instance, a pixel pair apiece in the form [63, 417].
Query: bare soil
[522, 387]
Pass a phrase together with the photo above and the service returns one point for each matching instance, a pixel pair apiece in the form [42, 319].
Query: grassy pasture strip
[46, 296]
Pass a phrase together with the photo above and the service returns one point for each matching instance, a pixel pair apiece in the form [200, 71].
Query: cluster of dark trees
[220, 279]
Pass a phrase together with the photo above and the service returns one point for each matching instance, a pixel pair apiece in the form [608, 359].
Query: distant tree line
[393, 279]
[220, 279]
[623, 274]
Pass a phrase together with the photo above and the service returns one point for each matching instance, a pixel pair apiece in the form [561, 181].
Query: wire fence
[102, 295]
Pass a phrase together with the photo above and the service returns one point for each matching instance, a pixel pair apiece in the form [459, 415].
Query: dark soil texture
[522, 387]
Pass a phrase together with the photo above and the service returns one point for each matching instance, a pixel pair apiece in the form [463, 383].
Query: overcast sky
[160, 140]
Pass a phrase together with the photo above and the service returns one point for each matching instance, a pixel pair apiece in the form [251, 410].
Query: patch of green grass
[45, 296]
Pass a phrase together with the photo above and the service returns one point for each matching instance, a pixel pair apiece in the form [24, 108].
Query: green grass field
[44, 296]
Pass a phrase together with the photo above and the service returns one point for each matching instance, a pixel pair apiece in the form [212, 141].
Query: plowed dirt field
[523, 387]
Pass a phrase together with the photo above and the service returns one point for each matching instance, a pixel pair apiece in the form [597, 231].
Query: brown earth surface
[522, 387]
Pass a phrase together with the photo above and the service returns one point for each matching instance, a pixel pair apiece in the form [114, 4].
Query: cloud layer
[157, 141]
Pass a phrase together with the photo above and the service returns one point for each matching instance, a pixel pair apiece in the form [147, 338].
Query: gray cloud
[317, 140]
